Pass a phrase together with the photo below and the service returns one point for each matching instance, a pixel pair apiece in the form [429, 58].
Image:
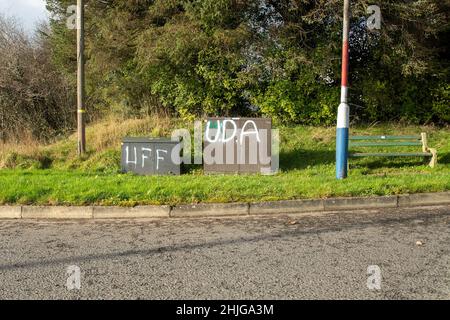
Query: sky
[28, 12]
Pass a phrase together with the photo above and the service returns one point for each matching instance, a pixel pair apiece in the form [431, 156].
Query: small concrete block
[290, 206]
[360, 203]
[57, 212]
[424, 199]
[129, 213]
[10, 212]
[221, 209]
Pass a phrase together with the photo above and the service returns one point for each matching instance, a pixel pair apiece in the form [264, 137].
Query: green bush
[441, 102]
[279, 59]
[15, 160]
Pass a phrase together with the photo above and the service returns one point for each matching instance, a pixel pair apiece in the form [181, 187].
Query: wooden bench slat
[384, 144]
[385, 138]
[415, 154]
[393, 141]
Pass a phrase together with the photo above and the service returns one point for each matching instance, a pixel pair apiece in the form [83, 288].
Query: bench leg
[433, 161]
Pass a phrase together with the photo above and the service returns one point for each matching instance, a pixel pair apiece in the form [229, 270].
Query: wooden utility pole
[80, 79]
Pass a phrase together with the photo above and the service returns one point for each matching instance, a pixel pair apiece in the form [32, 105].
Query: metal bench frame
[394, 141]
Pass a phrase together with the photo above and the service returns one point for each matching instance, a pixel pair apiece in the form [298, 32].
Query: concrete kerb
[10, 212]
[360, 203]
[285, 207]
[135, 212]
[424, 199]
[208, 210]
[57, 212]
[226, 209]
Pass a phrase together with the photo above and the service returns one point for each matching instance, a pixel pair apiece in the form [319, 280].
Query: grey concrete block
[424, 199]
[136, 212]
[290, 206]
[220, 209]
[10, 212]
[56, 212]
[360, 203]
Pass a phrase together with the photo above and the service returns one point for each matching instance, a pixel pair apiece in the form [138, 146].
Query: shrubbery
[35, 98]
[192, 58]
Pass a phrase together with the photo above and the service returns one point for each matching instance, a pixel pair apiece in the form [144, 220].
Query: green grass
[307, 171]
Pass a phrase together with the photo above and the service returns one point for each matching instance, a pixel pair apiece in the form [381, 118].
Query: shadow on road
[347, 221]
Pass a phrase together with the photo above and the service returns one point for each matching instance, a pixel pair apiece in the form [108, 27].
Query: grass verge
[53, 175]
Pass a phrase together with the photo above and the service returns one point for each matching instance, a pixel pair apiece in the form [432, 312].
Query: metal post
[342, 131]
[80, 79]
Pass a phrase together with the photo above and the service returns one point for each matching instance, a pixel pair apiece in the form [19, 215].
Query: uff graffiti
[150, 156]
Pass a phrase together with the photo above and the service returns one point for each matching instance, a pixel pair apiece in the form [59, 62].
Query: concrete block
[56, 212]
[129, 213]
[360, 203]
[290, 206]
[199, 210]
[10, 212]
[424, 199]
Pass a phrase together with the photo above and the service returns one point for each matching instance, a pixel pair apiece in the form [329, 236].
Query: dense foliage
[35, 99]
[276, 58]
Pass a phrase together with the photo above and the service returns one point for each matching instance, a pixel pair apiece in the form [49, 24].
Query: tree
[278, 58]
[34, 98]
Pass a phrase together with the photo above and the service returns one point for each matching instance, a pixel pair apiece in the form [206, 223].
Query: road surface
[281, 257]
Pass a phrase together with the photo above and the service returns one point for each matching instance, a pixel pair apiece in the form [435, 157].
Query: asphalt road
[283, 257]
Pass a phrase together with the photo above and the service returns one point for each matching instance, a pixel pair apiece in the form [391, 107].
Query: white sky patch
[28, 12]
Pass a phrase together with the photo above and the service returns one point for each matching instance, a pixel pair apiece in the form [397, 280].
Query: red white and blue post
[342, 131]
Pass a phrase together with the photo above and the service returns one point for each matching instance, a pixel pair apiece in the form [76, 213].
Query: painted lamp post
[342, 130]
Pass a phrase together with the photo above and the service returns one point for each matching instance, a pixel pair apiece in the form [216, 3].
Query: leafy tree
[278, 58]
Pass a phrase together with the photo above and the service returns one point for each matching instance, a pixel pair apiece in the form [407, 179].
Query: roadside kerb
[134, 212]
[289, 206]
[56, 212]
[424, 199]
[213, 209]
[10, 212]
[360, 203]
[313, 206]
